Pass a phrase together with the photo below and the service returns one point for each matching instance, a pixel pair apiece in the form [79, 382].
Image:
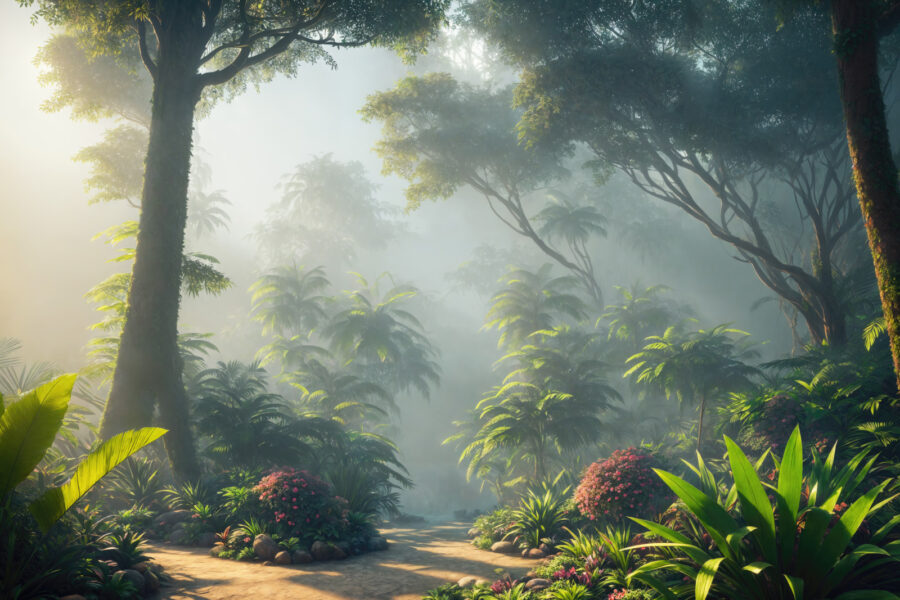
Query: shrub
[539, 518]
[302, 505]
[494, 526]
[621, 486]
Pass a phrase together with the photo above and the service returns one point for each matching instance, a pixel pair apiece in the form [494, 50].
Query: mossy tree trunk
[149, 367]
[855, 28]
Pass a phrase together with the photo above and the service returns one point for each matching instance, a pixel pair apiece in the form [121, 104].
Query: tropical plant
[126, 549]
[188, 494]
[336, 392]
[298, 504]
[539, 517]
[776, 541]
[136, 482]
[288, 300]
[529, 302]
[244, 424]
[448, 591]
[696, 367]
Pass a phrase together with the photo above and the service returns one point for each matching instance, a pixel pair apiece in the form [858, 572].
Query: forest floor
[417, 560]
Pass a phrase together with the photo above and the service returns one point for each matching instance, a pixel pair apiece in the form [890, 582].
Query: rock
[283, 558]
[345, 547]
[141, 567]
[535, 553]
[474, 532]
[504, 547]
[151, 581]
[173, 517]
[178, 535]
[206, 539]
[301, 557]
[265, 547]
[268, 563]
[467, 582]
[377, 543]
[537, 584]
[215, 550]
[545, 548]
[321, 551]
[133, 576]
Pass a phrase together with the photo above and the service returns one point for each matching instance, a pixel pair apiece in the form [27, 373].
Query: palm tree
[245, 425]
[205, 212]
[640, 312]
[339, 394]
[696, 367]
[383, 339]
[531, 302]
[575, 225]
[288, 300]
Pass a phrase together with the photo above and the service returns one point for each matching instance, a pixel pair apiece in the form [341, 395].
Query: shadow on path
[417, 560]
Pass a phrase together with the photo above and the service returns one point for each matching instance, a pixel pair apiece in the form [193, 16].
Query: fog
[249, 145]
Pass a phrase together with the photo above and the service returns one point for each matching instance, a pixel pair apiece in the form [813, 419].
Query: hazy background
[50, 260]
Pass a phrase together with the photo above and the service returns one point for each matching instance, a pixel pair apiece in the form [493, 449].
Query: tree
[696, 367]
[531, 302]
[552, 400]
[189, 47]
[682, 96]
[441, 135]
[327, 214]
[857, 27]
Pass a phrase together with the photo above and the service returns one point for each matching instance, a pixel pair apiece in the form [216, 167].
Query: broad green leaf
[846, 564]
[56, 501]
[28, 428]
[705, 578]
[814, 529]
[705, 508]
[790, 475]
[839, 536]
[885, 529]
[695, 553]
[796, 585]
[757, 567]
[755, 506]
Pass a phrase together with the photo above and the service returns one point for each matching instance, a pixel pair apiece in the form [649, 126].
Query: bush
[623, 485]
[494, 526]
[302, 505]
[539, 518]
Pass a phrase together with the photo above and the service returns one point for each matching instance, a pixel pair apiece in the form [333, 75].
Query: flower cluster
[572, 574]
[617, 594]
[623, 485]
[302, 505]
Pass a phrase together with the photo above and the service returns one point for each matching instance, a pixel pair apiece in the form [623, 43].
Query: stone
[474, 532]
[206, 539]
[268, 563]
[133, 576]
[283, 558]
[141, 567]
[504, 547]
[265, 547]
[173, 517]
[216, 550]
[537, 584]
[151, 581]
[178, 535]
[545, 548]
[535, 553]
[467, 582]
[377, 543]
[321, 550]
[301, 557]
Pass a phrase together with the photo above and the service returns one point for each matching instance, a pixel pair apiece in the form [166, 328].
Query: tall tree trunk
[149, 367]
[854, 26]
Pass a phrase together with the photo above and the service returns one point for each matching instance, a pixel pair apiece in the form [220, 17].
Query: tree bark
[149, 367]
[854, 26]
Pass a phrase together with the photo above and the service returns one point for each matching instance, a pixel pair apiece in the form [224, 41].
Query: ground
[418, 559]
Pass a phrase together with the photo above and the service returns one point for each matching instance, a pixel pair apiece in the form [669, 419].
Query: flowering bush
[302, 505]
[623, 485]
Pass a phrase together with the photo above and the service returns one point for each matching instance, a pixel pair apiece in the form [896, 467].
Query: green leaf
[790, 475]
[757, 567]
[54, 503]
[796, 585]
[839, 536]
[28, 428]
[705, 578]
[755, 506]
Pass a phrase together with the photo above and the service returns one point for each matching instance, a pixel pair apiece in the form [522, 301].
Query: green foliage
[539, 517]
[561, 562]
[495, 525]
[448, 591]
[136, 483]
[126, 549]
[769, 542]
[136, 518]
[570, 590]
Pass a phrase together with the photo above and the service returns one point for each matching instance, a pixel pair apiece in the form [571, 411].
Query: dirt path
[418, 560]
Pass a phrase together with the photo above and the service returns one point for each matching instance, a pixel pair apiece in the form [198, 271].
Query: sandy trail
[418, 559]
